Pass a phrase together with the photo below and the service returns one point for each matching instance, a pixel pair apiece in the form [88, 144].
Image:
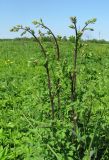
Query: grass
[23, 101]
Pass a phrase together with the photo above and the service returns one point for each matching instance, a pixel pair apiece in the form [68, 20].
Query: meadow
[27, 131]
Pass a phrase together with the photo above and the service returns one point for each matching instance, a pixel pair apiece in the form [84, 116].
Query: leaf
[80, 33]
[73, 19]
[41, 21]
[91, 21]
[3, 152]
[40, 33]
[14, 29]
[19, 26]
[35, 22]
[58, 158]
[23, 33]
[72, 26]
[91, 29]
[92, 153]
[27, 28]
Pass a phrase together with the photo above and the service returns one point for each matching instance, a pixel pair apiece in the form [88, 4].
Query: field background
[23, 96]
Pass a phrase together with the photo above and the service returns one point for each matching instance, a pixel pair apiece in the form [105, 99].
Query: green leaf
[72, 26]
[58, 157]
[73, 19]
[35, 22]
[41, 21]
[23, 33]
[91, 21]
[91, 29]
[3, 152]
[14, 29]
[80, 33]
[27, 28]
[19, 26]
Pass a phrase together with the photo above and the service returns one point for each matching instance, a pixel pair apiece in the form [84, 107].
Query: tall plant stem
[73, 76]
[58, 59]
[47, 71]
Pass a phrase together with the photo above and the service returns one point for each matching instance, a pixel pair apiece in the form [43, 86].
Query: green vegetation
[39, 119]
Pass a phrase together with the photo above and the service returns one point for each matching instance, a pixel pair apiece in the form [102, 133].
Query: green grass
[23, 101]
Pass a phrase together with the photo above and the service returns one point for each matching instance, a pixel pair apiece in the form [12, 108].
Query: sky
[56, 14]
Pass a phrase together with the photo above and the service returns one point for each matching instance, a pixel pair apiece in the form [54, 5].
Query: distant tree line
[59, 38]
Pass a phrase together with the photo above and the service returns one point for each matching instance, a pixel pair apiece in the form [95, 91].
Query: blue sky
[55, 13]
